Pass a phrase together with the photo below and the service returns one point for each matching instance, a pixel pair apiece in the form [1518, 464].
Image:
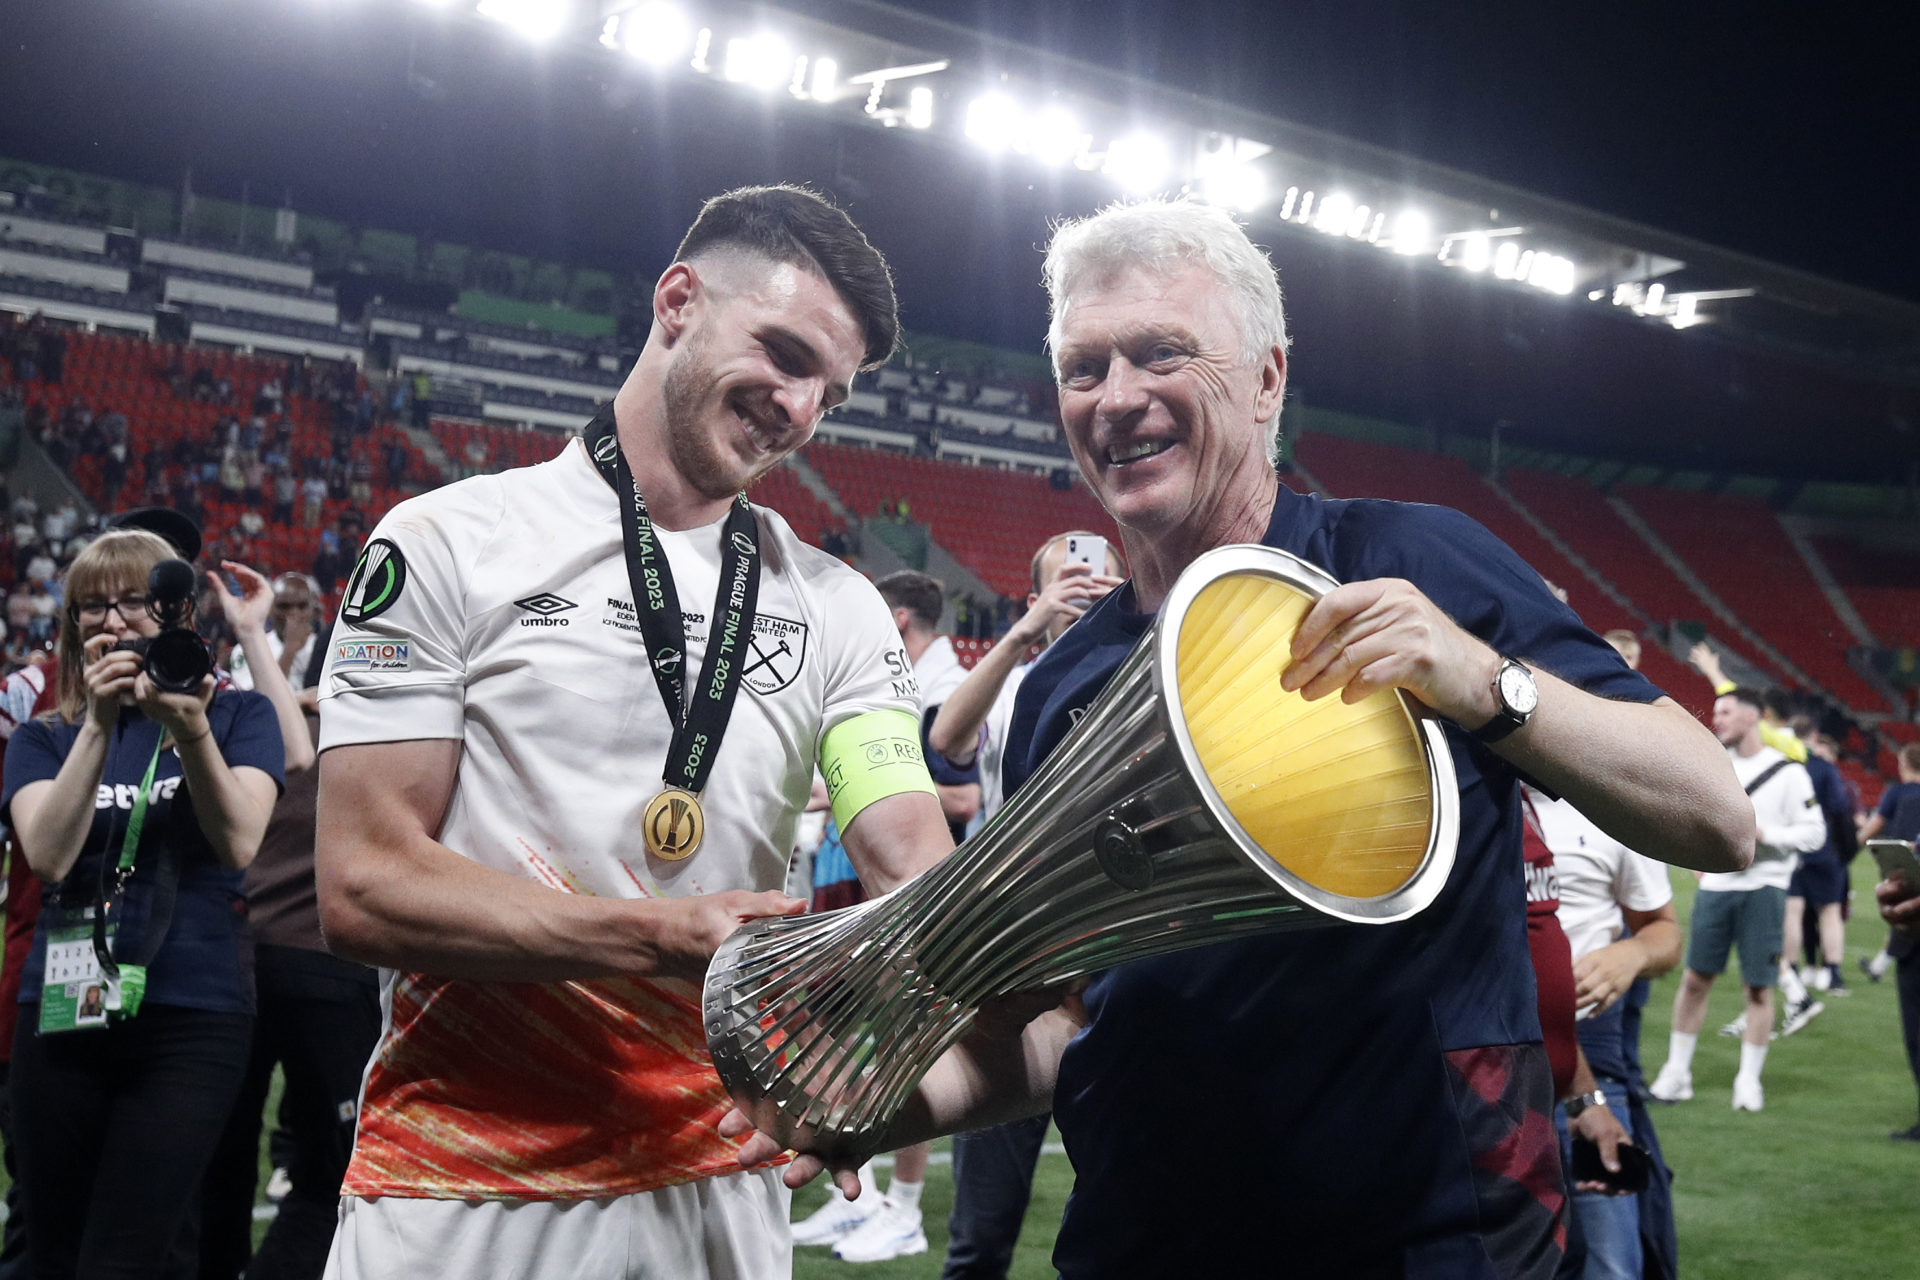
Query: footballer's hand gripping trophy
[1196, 801]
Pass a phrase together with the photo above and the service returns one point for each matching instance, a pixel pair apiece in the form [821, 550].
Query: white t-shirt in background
[1598, 876]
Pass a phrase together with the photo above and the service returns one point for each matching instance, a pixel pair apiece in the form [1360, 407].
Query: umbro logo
[544, 606]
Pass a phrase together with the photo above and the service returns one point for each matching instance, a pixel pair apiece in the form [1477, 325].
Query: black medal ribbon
[699, 724]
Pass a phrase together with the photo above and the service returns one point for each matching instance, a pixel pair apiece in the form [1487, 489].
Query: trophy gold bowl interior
[1339, 795]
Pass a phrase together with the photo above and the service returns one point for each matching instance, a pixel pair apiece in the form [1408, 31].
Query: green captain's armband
[871, 757]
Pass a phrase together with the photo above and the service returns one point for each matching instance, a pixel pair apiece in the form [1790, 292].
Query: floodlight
[1412, 232]
[1236, 184]
[1506, 259]
[993, 121]
[1547, 271]
[1139, 162]
[1357, 222]
[537, 20]
[1054, 136]
[1686, 311]
[825, 83]
[763, 61]
[1334, 212]
[1656, 294]
[656, 32]
[920, 108]
[1476, 252]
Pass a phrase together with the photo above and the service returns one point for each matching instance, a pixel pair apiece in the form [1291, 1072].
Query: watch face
[1517, 689]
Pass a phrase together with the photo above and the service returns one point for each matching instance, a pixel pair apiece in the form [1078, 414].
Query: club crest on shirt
[775, 653]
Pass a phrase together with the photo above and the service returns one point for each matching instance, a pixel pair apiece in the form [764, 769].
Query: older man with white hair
[1339, 1102]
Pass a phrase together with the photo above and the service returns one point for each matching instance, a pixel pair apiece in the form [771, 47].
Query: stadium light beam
[763, 61]
[993, 121]
[1139, 162]
[825, 83]
[920, 108]
[1054, 136]
[537, 20]
[1476, 252]
[656, 33]
[1334, 212]
[1412, 233]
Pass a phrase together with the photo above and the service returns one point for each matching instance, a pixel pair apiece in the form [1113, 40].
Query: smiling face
[766, 349]
[1164, 413]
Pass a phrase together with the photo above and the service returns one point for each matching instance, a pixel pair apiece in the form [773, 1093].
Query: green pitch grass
[1809, 1189]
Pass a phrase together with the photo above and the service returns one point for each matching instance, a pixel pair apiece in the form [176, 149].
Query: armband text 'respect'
[871, 757]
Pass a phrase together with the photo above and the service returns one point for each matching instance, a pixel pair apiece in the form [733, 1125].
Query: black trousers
[992, 1182]
[115, 1128]
[319, 1019]
[1907, 981]
[13, 1241]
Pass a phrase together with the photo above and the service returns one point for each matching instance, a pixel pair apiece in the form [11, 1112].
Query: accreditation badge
[75, 994]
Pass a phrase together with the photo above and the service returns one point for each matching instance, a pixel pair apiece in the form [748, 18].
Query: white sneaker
[1747, 1094]
[1737, 1028]
[1673, 1084]
[1799, 1015]
[837, 1219]
[894, 1232]
[1817, 978]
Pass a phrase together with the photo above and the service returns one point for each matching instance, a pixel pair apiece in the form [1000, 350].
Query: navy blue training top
[1302, 1101]
[1899, 810]
[205, 960]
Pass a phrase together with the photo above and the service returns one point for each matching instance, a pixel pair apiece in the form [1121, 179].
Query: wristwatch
[1577, 1107]
[1515, 696]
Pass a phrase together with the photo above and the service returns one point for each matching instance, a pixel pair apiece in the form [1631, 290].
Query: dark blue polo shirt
[1353, 1101]
[205, 958]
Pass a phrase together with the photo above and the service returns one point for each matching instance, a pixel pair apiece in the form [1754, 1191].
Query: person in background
[993, 1168]
[292, 634]
[116, 1122]
[1897, 817]
[877, 1228]
[1743, 909]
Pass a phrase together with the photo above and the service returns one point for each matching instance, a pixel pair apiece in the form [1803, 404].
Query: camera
[177, 659]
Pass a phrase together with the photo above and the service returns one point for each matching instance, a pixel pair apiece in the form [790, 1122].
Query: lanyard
[697, 726]
[112, 882]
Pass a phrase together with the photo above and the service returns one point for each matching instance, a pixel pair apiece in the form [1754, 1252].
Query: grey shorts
[1750, 919]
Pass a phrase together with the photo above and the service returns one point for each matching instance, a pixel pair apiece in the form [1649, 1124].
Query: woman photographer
[140, 808]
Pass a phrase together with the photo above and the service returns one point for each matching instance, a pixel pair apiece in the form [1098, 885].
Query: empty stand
[782, 490]
[1735, 545]
[1883, 584]
[989, 520]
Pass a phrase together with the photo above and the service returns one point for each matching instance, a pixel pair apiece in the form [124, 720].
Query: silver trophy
[1195, 802]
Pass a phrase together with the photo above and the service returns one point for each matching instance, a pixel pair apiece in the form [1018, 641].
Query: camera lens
[177, 660]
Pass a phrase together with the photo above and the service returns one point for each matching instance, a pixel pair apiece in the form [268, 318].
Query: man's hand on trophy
[1385, 634]
[690, 930]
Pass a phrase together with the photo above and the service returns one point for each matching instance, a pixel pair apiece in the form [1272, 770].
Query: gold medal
[673, 824]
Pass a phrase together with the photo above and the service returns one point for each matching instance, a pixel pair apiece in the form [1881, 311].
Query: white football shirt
[497, 612]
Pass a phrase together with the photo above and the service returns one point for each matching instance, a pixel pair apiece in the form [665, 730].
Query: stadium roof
[1420, 292]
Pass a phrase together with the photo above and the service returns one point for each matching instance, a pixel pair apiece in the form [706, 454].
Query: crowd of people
[456, 864]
